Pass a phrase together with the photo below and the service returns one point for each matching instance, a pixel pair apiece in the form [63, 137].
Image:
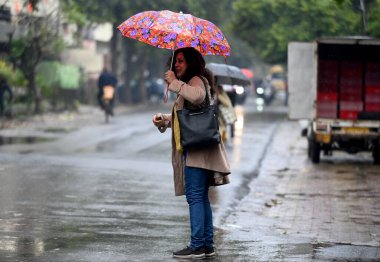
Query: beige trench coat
[212, 158]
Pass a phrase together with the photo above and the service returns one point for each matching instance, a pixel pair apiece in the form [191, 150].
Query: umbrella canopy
[170, 30]
[228, 74]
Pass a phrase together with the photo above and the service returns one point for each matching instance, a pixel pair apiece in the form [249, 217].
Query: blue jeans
[197, 185]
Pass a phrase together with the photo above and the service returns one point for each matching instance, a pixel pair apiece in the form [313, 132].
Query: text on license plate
[356, 130]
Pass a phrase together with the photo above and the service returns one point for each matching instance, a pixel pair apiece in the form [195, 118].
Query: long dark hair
[196, 66]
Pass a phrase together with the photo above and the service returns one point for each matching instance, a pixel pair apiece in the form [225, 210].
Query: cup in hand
[158, 120]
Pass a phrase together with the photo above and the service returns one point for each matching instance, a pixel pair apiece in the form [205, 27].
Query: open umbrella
[228, 74]
[170, 30]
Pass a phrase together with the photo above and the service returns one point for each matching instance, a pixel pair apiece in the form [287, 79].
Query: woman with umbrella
[195, 169]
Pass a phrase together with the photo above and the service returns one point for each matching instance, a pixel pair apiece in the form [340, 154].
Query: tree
[373, 21]
[38, 40]
[362, 7]
[269, 25]
[220, 13]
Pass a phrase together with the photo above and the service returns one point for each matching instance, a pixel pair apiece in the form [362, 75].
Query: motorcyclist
[106, 78]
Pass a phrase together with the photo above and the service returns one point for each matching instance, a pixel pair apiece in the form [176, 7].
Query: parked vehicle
[335, 84]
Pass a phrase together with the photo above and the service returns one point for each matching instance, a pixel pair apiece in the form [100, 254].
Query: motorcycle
[108, 95]
[265, 90]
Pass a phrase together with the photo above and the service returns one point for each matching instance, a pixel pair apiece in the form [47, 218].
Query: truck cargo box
[335, 84]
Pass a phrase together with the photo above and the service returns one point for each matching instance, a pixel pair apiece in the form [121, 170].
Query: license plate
[356, 130]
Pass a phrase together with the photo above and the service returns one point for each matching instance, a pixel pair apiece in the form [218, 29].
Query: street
[104, 192]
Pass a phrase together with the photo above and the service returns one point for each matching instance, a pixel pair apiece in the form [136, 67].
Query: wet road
[105, 193]
[297, 211]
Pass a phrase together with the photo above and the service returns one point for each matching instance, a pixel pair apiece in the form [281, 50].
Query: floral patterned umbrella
[169, 30]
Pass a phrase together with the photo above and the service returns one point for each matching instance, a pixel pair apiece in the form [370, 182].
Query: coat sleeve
[194, 91]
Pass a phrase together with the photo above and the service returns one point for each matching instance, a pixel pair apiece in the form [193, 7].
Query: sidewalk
[305, 211]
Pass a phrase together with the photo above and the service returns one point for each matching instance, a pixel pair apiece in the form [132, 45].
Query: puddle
[303, 251]
[23, 140]
[347, 252]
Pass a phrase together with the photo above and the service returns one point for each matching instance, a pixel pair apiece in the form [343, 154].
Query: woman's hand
[169, 77]
[159, 121]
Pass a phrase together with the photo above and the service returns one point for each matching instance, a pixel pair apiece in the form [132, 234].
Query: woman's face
[180, 65]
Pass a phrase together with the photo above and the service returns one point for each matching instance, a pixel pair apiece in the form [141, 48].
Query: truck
[334, 84]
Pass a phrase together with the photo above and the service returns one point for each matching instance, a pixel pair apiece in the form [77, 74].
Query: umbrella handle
[167, 86]
[166, 94]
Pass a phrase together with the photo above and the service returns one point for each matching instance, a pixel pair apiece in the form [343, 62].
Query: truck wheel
[376, 155]
[309, 148]
[315, 151]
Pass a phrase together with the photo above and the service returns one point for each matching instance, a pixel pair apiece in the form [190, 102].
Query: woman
[194, 169]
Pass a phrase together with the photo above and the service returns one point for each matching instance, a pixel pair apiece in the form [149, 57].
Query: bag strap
[206, 84]
[188, 105]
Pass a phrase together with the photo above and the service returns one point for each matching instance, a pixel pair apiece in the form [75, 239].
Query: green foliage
[373, 21]
[53, 75]
[339, 2]
[47, 78]
[28, 50]
[5, 70]
[14, 77]
[269, 25]
[18, 48]
[39, 40]
[73, 12]
[69, 77]
[18, 79]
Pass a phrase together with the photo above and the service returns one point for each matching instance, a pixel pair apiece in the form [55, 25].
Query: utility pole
[364, 11]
